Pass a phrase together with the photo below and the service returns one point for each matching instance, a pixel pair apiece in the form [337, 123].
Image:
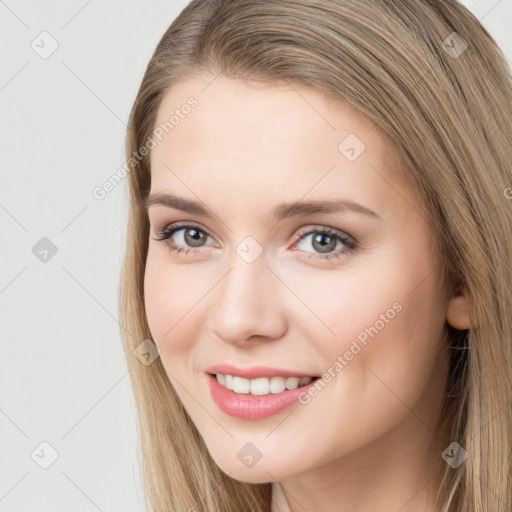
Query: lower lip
[250, 407]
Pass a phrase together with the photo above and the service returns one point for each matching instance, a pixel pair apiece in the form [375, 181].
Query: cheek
[387, 319]
[168, 300]
[384, 353]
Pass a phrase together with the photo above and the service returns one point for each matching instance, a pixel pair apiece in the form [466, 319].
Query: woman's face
[245, 290]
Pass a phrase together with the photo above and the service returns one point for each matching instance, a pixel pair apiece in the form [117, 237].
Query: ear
[457, 314]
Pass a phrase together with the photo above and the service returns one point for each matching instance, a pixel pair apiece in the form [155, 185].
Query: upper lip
[255, 372]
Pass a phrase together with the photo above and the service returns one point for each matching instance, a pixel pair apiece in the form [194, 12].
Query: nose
[247, 304]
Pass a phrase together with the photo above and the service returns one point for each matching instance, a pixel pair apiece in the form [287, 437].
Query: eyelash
[350, 244]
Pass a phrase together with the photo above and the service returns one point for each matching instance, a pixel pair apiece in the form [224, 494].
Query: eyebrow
[281, 211]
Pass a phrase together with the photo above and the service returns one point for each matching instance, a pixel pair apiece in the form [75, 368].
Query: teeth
[261, 386]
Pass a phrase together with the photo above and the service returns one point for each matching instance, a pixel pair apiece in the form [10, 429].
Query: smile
[262, 385]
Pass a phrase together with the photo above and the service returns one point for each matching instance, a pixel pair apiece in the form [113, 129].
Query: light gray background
[63, 377]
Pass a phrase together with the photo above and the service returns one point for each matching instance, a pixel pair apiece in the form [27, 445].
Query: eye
[191, 239]
[326, 240]
[323, 239]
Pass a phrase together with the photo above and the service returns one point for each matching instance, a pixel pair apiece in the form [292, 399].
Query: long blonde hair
[433, 81]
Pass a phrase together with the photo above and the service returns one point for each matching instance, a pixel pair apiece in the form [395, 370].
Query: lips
[248, 407]
[255, 372]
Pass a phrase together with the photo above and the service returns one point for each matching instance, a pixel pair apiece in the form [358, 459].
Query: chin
[259, 473]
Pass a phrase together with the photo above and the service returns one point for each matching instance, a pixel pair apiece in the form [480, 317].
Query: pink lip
[250, 407]
[255, 372]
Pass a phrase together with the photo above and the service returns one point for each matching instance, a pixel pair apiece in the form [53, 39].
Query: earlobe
[457, 314]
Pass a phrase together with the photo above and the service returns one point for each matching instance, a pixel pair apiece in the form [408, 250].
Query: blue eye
[323, 239]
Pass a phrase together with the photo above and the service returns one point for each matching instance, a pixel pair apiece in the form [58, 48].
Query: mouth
[261, 386]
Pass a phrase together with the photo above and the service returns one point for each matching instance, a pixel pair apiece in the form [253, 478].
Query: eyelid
[184, 224]
[312, 228]
[301, 233]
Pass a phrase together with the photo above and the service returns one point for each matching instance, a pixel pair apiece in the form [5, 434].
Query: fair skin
[364, 443]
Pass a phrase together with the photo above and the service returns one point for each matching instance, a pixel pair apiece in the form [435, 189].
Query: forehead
[273, 111]
[279, 140]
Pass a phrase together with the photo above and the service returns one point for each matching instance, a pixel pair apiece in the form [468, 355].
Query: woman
[318, 274]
